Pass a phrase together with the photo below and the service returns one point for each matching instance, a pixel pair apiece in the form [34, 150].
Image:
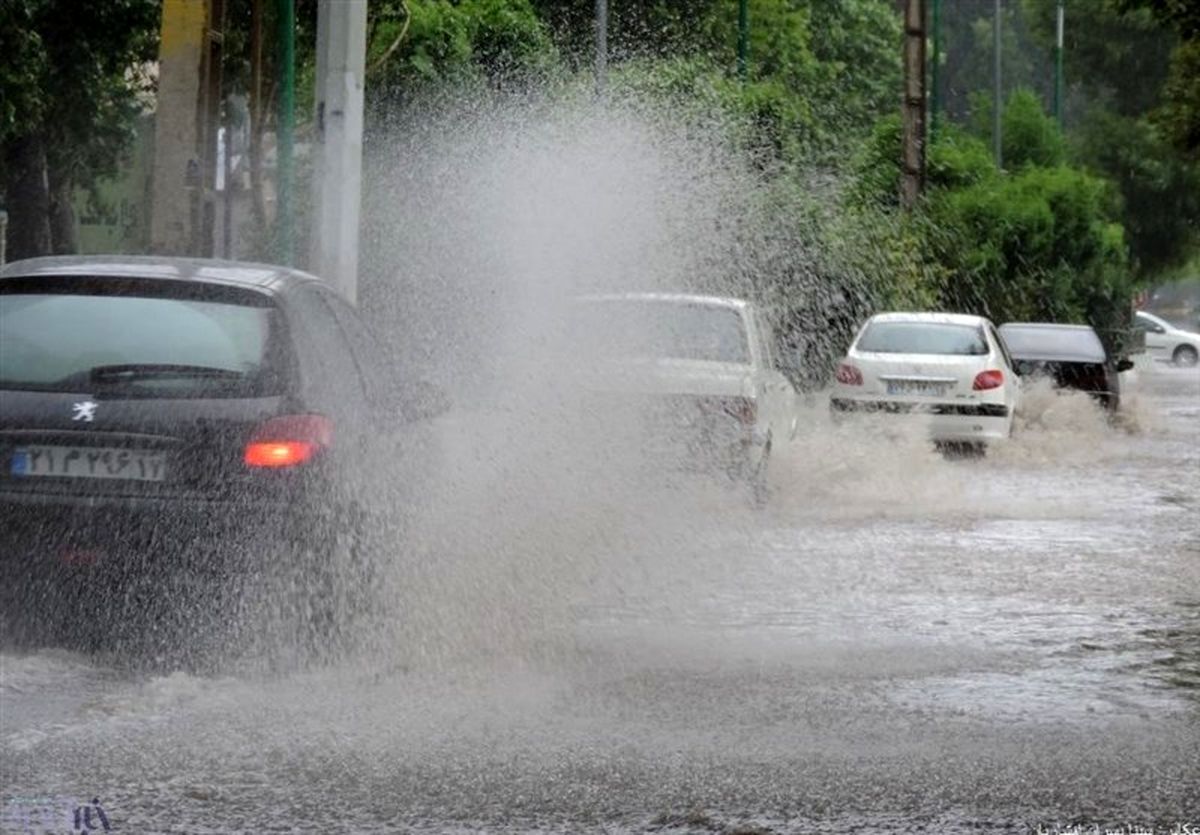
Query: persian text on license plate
[917, 387]
[89, 462]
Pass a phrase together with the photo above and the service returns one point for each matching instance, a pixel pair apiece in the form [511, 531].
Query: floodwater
[898, 643]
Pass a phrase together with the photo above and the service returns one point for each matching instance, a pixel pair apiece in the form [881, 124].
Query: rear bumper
[946, 422]
[893, 407]
[49, 534]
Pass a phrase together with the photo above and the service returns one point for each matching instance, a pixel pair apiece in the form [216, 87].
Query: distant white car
[951, 370]
[703, 369]
[1167, 343]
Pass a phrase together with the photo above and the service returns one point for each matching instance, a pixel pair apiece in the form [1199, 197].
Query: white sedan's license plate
[89, 462]
[916, 387]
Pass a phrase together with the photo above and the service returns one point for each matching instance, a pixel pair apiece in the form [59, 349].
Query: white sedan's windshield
[654, 329]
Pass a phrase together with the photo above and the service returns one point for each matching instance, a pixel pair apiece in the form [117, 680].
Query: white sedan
[951, 371]
[1167, 343]
[703, 368]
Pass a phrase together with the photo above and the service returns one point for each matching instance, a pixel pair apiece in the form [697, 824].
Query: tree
[1113, 54]
[1159, 191]
[432, 45]
[1136, 64]
[1179, 113]
[820, 72]
[1030, 137]
[70, 102]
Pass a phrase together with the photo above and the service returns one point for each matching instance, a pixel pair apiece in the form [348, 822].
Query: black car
[170, 427]
[1071, 355]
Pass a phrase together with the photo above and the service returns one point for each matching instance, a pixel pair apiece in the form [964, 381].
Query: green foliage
[440, 43]
[1040, 241]
[820, 73]
[1028, 135]
[1179, 114]
[1041, 244]
[1159, 192]
[26, 63]
[956, 160]
[1114, 53]
[1180, 111]
[71, 78]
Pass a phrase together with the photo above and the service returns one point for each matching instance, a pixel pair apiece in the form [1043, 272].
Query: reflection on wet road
[898, 641]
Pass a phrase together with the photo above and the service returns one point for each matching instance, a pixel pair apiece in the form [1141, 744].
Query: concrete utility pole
[185, 125]
[337, 184]
[912, 176]
[601, 46]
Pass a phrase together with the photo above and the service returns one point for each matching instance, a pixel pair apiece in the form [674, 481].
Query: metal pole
[743, 43]
[1058, 63]
[601, 45]
[284, 129]
[998, 92]
[227, 182]
[935, 71]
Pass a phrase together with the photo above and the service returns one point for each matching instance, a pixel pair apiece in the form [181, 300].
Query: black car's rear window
[1037, 342]
[137, 342]
[899, 337]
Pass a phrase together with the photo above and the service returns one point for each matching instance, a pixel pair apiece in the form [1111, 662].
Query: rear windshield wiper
[130, 372]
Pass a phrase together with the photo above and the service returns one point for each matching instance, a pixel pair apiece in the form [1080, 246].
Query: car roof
[1090, 349]
[683, 298]
[271, 278]
[1047, 326]
[931, 318]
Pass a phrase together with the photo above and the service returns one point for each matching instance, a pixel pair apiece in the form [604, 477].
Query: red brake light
[990, 379]
[288, 441]
[742, 408]
[849, 375]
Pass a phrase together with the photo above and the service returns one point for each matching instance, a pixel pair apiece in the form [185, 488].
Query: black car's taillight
[288, 441]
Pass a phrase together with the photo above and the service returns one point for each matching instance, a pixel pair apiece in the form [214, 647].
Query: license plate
[920, 388]
[89, 462]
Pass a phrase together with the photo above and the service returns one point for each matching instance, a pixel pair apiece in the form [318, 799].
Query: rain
[561, 628]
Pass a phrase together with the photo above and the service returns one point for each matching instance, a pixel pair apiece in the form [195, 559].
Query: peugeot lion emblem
[85, 411]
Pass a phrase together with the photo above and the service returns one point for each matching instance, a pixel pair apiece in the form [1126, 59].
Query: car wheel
[1186, 356]
[331, 595]
[760, 490]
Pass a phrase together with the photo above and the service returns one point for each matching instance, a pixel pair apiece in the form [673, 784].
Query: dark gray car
[1071, 355]
[173, 424]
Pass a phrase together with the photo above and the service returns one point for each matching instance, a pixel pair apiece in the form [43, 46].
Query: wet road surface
[898, 643]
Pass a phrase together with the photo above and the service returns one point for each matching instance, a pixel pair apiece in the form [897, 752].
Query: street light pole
[601, 46]
[1060, 24]
[998, 91]
[285, 127]
[743, 43]
[935, 71]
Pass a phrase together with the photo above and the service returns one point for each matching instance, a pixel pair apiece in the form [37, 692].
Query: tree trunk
[64, 235]
[27, 199]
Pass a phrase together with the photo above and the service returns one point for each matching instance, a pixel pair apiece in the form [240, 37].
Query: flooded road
[897, 643]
